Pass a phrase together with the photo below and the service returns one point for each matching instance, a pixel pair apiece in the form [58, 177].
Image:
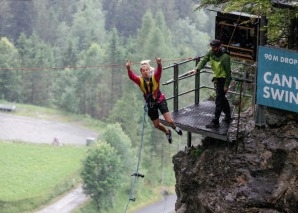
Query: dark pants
[153, 109]
[221, 102]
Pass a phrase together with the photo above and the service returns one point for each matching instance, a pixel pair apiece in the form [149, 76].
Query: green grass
[33, 174]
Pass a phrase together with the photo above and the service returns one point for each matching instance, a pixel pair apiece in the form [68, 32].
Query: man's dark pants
[221, 102]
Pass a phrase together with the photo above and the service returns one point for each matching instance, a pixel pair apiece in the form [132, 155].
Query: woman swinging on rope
[154, 98]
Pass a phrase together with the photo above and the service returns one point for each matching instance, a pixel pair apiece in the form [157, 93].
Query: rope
[136, 175]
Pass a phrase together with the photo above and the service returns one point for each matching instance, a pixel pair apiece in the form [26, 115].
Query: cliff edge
[258, 173]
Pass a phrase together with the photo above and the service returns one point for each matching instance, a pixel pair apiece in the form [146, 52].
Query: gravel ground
[13, 127]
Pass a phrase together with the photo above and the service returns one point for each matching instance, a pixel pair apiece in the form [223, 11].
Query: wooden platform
[195, 117]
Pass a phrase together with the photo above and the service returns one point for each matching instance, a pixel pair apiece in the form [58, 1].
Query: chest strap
[149, 96]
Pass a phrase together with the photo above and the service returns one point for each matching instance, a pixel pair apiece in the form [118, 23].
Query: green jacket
[220, 65]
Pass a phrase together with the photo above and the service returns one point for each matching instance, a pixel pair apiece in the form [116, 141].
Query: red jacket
[139, 80]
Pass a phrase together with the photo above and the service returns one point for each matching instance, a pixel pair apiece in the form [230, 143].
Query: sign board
[277, 80]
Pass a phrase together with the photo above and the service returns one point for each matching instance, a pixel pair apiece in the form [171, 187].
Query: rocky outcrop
[258, 173]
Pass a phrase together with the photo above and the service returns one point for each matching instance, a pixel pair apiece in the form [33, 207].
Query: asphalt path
[167, 205]
[32, 130]
[67, 203]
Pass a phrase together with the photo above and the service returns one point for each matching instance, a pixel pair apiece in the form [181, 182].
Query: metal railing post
[260, 112]
[197, 84]
[188, 139]
[176, 90]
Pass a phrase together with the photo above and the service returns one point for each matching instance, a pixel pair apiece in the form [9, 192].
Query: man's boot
[213, 124]
[227, 119]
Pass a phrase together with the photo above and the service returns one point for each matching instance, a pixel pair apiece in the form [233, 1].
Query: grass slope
[34, 174]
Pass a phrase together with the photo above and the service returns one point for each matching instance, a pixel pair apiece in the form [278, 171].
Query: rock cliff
[258, 173]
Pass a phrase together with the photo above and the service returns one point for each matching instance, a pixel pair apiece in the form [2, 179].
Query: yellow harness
[149, 88]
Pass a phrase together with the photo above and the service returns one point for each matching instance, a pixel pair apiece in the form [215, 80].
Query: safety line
[137, 175]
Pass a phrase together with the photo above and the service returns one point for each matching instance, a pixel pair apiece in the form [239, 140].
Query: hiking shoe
[227, 119]
[178, 130]
[169, 136]
[213, 124]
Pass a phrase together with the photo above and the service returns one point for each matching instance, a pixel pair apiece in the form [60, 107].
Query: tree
[9, 78]
[101, 173]
[129, 14]
[70, 54]
[165, 43]
[45, 21]
[126, 15]
[115, 136]
[17, 19]
[115, 53]
[147, 25]
[36, 83]
[128, 112]
[88, 24]
[154, 33]
[92, 85]
[186, 38]
[64, 93]
[110, 7]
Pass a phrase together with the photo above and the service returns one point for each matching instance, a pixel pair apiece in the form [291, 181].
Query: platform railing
[198, 87]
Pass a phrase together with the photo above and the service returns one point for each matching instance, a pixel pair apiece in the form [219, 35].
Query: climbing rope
[136, 174]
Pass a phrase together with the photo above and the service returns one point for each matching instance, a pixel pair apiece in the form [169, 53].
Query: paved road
[67, 203]
[33, 130]
[167, 205]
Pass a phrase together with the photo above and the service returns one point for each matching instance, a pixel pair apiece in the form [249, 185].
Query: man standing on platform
[221, 66]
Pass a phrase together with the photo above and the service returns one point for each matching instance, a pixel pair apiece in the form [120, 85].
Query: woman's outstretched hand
[158, 60]
[128, 64]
